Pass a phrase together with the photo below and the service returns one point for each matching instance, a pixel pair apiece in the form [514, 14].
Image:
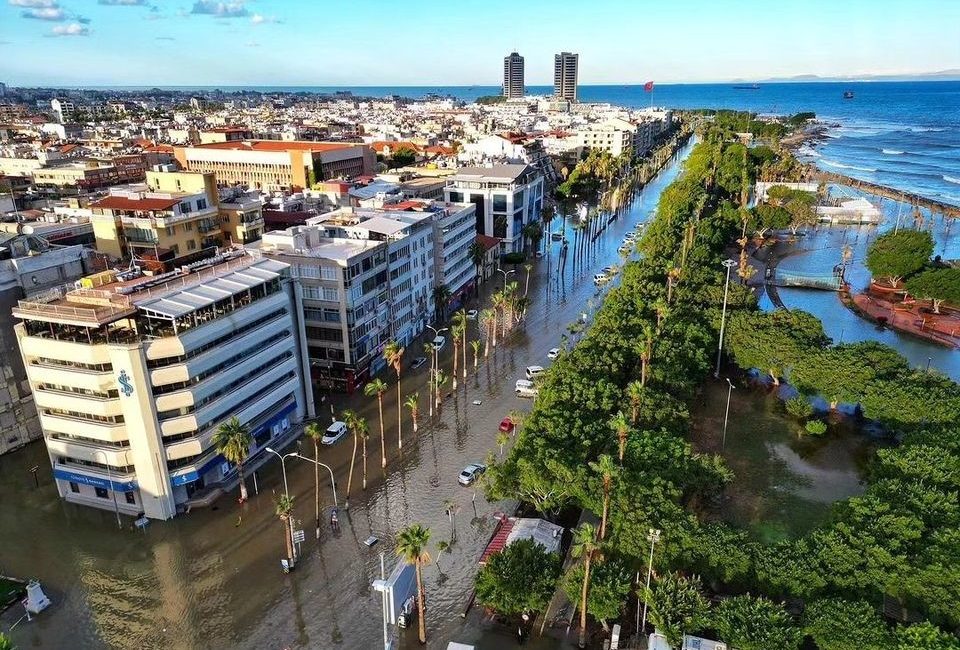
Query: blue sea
[902, 134]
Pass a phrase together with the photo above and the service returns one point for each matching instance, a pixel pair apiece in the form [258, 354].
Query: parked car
[600, 278]
[534, 371]
[525, 388]
[419, 361]
[553, 353]
[334, 432]
[439, 342]
[507, 425]
[471, 473]
[472, 314]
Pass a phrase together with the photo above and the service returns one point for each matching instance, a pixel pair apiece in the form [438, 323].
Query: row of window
[76, 365]
[86, 392]
[71, 437]
[326, 315]
[324, 334]
[328, 294]
[103, 493]
[89, 417]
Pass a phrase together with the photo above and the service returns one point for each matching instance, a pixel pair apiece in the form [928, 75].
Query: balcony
[106, 431]
[208, 225]
[141, 236]
[115, 456]
[69, 401]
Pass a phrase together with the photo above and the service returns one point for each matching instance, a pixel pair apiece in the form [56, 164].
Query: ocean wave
[892, 152]
[951, 179]
[834, 163]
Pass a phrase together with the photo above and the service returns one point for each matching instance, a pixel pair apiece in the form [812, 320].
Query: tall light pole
[286, 493]
[113, 490]
[726, 415]
[434, 364]
[723, 318]
[505, 274]
[333, 482]
[654, 537]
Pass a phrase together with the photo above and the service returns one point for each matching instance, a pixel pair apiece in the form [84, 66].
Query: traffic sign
[298, 537]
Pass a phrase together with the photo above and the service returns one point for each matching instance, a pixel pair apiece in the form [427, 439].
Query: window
[176, 249]
[456, 197]
[188, 226]
[130, 498]
[191, 244]
[74, 488]
[499, 203]
[201, 204]
[185, 207]
[102, 493]
[171, 231]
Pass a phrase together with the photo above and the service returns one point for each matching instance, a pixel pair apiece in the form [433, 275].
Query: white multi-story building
[64, 109]
[132, 375]
[507, 197]
[565, 75]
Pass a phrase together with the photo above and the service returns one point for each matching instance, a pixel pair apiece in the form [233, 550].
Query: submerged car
[553, 353]
[334, 432]
[471, 473]
[507, 425]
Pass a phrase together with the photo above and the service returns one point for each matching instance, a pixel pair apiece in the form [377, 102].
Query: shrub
[799, 407]
[816, 427]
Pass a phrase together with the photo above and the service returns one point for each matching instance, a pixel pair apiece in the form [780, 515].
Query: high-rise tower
[565, 75]
[513, 76]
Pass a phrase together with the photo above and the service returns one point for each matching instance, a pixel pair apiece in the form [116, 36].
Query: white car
[472, 314]
[525, 388]
[334, 432]
[600, 278]
[439, 342]
[471, 473]
[534, 371]
[553, 353]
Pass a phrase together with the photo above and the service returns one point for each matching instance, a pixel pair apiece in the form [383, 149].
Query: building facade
[507, 197]
[565, 75]
[133, 374]
[513, 87]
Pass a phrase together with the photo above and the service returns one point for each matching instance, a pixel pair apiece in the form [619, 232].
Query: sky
[463, 42]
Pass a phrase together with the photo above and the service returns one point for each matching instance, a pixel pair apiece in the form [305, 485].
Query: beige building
[277, 165]
[132, 375]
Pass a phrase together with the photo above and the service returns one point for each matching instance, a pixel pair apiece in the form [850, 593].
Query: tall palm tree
[378, 387]
[608, 471]
[315, 432]
[460, 320]
[526, 285]
[646, 353]
[439, 379]
[478, 256]
[429, 349]
[393, 353]
[584, 546]
[412, 548]
[284, 510]
[635, 392]
[441, 298]
[352, 420]
[622, 428]
[412, 403]
[476, 344]
[457, 332]
[364, 431]
[489, 319]
[232, 439]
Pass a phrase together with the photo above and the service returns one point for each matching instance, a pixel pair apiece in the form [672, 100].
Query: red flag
[648, 87]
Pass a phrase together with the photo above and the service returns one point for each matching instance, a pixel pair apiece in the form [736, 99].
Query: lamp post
[333, 482]
[726, 414]
[723, 318]
[434, 364]
[113, 491]
[654, 537]
[505, 274]
[286, 493]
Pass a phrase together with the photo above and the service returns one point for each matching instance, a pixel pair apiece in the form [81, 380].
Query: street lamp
[434, 364]
[333, 483]
[505, 274]
[726, 415]
[723, 318]
[286, 493]
[654, 537]
[113, 490]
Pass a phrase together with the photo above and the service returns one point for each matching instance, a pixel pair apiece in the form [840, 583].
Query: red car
[506, 425]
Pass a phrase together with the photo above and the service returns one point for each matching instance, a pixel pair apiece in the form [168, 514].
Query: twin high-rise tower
[564, 76]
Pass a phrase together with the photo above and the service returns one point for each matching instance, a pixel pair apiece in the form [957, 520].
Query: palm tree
[584, 546]
[502, 439]
[478, 255]
[476, 345]
[608, 470]
[635, 392]
[451, 507]
[393, 353]
[622, 428]
[526, 285]
[442, 546]
[460, 320]
[412, 548]
[429, 349]
[439, 379]
[352, 420]
[315, 433]
[489, 319]
[457, 332]
[378, 387]
[364, 431]
[441, 297]
[412, 404]
[284, 510]
[232, 439]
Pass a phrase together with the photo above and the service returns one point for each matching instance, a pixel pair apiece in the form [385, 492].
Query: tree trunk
[606, 509]
[622, 439]
[486, 343]
[582, 642]
[383, 437]
[464, 371]
[413, 416]
[364, 484]
[456, 357]
[316, 482]
[287, 540]
[243, 486]
[353, 458]
[421, 607]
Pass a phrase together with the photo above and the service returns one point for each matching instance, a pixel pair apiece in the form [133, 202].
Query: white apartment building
[615, 136]
[133, 374]
[565, 67]
[507, 197]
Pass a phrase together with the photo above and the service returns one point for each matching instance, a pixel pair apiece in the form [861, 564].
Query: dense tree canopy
[837, 624]
[749, 623]
[938, 285]
[520, 578]
[895, 255]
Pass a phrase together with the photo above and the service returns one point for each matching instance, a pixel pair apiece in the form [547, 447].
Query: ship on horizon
[746, 86]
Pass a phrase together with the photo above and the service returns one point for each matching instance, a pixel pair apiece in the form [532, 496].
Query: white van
[534, 371]
[525, 388]
[334, 432]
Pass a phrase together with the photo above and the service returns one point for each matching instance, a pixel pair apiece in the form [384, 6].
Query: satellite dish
[27, 230]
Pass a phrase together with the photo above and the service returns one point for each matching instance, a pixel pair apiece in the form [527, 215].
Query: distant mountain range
[952, 74]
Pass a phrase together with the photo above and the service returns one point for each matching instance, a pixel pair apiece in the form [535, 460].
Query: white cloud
[123, 3]
[260, 19]
[44, 13]
[234, 9]
[33, 3]
[72, 29]
[252, 44]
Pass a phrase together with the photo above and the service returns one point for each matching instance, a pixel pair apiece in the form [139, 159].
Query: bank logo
[125, 386]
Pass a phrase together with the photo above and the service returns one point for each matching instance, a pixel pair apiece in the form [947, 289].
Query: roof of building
[407, 205]
[370, 191]
[487, 241]
[383, 225]
[276, 145]
[497, 172]
[128, 203]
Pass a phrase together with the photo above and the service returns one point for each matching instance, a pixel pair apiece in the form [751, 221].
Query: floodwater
[820, 249]
[785, 482]
[212, 579]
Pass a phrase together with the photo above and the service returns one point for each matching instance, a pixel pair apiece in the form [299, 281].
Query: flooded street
[212, 579]
[821, 249]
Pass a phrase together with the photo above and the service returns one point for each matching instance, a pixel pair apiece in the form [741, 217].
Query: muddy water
[212, 579]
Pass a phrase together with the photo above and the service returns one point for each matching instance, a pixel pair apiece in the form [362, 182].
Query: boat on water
[746, 87]
[848, 94]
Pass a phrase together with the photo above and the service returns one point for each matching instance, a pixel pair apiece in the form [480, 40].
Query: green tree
[232, 439]
[755, 623]
[610, 583]
[895, 255]
[378, 387]
[402, 157]
[677, 606]
[352, 420]
[584, 547]
[393, 355]
[936, 285]
[412, 548]
[837, 624]
[520, 578]
[6, 643]
[924, 636]
[774, 341]
[607, 469]
[799, 407]
[284, 510]
[413, 403]
[315, 432]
